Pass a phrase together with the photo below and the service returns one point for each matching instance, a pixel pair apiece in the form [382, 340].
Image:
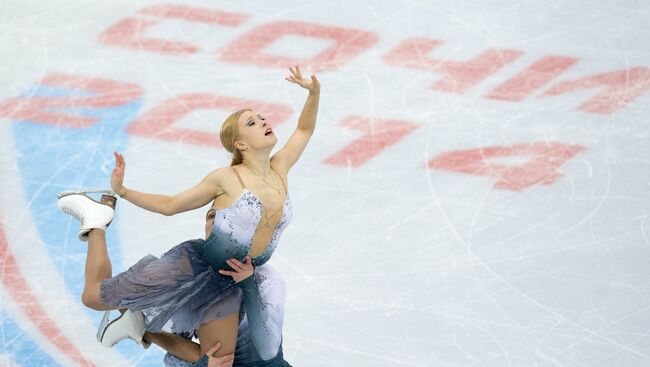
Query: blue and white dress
[183, 285]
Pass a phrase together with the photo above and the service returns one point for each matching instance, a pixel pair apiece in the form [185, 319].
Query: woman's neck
[260, 166]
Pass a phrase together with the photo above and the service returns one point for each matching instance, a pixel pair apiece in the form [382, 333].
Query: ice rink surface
[476, 193]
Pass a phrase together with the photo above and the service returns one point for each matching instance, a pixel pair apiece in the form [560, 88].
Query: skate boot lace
[75, 213]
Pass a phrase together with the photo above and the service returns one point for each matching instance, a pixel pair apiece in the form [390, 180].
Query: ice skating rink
[476, 193]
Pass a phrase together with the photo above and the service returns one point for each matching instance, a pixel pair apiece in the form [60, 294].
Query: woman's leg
[223, 330]
[98, 268]
[176, 345]
[94, 217]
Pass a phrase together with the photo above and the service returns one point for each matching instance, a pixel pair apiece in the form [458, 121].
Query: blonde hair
[229, 134]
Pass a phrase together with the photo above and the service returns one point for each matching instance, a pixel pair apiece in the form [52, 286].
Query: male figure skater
[259, 339]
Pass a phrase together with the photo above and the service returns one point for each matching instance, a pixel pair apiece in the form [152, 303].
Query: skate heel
[109, 200]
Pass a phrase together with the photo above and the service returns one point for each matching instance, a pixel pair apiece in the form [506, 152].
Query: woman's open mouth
[268, 132]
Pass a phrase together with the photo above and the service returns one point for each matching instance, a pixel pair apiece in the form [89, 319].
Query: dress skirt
[179, 286]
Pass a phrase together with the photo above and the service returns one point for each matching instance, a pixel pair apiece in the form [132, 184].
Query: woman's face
[253, 131]
[209, 221]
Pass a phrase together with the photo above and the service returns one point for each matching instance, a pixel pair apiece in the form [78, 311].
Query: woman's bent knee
[223, 330]
[91, 300]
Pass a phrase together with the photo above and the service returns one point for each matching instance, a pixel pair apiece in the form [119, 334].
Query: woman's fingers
[311, 84]
[296, 73]
[119, 160]
[118, 166]
[298, 79]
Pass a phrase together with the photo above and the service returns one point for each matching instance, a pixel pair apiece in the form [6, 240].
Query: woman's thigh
[223, 330]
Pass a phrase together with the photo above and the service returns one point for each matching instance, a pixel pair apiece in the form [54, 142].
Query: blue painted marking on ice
[19, 347]
[52, 159]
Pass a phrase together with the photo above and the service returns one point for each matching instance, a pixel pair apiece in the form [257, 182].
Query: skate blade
[84, 192]
[102, 326]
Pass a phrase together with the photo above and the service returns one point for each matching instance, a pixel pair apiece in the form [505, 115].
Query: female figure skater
[250, 213]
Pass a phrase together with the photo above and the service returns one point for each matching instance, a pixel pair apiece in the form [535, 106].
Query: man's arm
[186, 353]
[265, 313]
[177, 345]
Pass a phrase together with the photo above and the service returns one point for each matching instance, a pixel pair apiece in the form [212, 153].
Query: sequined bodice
[234, 229]
[235, 226]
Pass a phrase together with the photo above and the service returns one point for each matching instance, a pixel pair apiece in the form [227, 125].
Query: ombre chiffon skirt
[179, 286]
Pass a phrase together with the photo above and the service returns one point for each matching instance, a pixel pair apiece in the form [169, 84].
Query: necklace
[268, 184]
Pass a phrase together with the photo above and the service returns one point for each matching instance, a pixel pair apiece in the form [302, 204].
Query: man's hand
[225, 361]
[242, 270]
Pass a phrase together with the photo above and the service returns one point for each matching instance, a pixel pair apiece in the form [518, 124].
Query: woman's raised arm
[201, 194]
[292, 150]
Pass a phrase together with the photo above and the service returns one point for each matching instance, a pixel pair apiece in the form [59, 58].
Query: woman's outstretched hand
[313, 86]
[117, 176]
[242, 270]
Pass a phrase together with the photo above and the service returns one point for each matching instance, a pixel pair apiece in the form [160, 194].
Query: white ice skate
[90, 213]
[129, 325]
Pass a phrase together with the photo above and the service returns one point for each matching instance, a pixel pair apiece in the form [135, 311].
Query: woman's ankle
[96, 233]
